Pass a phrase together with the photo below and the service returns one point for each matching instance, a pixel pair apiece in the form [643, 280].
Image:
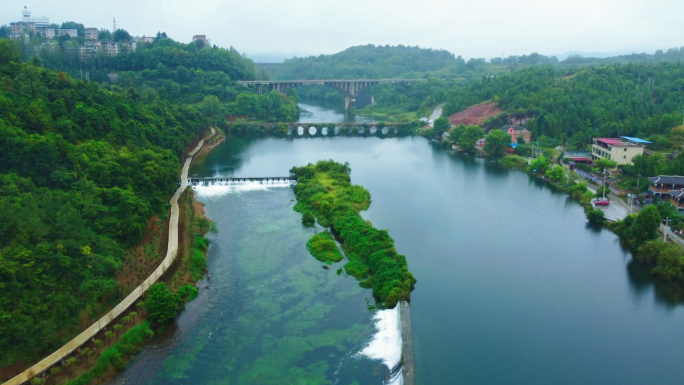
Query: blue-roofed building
[636, 140]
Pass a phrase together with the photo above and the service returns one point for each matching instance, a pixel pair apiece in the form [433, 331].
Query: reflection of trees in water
[642, 282]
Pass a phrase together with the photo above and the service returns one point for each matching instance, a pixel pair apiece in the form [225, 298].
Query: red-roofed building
[619, 150]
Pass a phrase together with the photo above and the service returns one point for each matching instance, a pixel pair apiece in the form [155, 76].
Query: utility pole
[665, 232]
[114, 25]
[604, 184]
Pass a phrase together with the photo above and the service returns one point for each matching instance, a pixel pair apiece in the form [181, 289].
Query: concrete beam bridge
[349, 87]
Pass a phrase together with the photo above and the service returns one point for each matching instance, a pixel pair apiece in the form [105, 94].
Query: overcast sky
[474, 28]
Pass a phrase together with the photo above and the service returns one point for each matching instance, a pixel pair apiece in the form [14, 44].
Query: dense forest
[82, 169]
[367, 62]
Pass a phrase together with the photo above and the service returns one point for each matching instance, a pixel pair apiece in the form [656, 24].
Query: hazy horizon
[484, 30]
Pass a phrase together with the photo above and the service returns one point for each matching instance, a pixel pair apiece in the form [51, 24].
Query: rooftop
[667, 179]
[636, 140]
[615, 142]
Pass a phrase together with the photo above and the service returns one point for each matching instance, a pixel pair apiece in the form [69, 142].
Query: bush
[161, 303]
[323, 247]
[595, 215]
[308, 219]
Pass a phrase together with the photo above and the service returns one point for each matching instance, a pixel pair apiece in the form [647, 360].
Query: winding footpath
[102, 323]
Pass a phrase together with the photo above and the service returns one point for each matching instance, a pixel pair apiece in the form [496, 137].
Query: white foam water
[386, 342]
[222, 188]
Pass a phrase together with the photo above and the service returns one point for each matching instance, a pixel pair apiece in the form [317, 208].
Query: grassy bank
[324, 192]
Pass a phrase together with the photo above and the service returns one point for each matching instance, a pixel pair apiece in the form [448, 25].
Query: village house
[668, 188]
[619, 150]
[515, 132]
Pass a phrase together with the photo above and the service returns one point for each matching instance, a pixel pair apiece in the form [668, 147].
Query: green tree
[441, 125]
[644, 226]
[282, 128]
[161, 304]
[110, 336]
[606, 163]
[497, 142]
[470, 137]
[556, 174]
[595, 215]
[456, 132]
[308, 219]
[211, 105]
[121, 35]
[520, 140]
[541, 164]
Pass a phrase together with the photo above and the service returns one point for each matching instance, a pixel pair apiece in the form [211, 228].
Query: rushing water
[513, 286]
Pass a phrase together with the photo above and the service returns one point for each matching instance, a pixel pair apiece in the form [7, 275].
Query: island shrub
[308, 219]
[324, 190]
[323, 247]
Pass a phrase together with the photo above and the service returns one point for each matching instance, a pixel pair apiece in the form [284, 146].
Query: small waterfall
[223, 188]
[386, 343]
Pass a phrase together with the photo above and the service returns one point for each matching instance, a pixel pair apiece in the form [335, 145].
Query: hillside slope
[82, 169]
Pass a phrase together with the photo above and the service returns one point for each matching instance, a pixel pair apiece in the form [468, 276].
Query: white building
[28, 22]
[47, 33]
[73, 32]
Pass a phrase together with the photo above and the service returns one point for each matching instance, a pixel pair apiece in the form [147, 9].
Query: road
[102, 323]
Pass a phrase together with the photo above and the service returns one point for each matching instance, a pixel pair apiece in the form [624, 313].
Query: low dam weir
[238, 180]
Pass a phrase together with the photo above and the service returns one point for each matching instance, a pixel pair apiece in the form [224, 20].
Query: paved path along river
[102, 323]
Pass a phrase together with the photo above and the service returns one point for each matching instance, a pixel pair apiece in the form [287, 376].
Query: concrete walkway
[102, 323]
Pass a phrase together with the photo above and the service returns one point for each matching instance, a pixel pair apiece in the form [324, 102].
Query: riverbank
[76, 349]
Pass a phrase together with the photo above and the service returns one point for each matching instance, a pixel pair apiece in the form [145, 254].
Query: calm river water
[513, 286]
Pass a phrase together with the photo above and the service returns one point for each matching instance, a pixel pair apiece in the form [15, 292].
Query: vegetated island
[324, 192]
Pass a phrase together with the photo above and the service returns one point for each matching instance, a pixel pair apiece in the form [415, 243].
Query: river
[513, 285]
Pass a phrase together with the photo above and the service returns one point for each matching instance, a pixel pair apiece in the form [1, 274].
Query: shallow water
[513, 286]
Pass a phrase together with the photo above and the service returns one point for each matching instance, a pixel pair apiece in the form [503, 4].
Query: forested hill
[82, 169]
[367, 62]
[164, 53]
[632, 99]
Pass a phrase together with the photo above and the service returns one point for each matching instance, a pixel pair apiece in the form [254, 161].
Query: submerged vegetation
[325, 190]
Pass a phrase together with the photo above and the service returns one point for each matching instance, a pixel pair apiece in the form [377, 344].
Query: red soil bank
[475, 114]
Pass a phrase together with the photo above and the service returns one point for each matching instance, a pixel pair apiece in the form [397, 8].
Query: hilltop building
[73, 32]
[200, 37]
[28, 22]
[91, 33]
[109, 48]
[620, 150]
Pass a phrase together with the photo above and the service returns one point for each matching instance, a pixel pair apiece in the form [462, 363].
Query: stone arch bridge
[349, 88]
